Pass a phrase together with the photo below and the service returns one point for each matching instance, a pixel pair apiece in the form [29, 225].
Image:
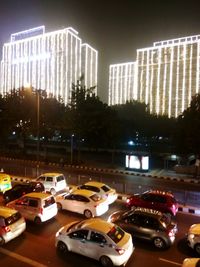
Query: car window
[49, 179]
[80, 234]
[70, 197]
[151, 223]
[81, 198]
[97, 238]
[90, 187]
[33, 203]
[95, 197]
[134, 219]
[41, 178]
[49, 201]
[160, 199]
[148, 197]
[105, 188]
[116, 233]
[22, 201]
[165, 220]
[60, 178]
[13, 218]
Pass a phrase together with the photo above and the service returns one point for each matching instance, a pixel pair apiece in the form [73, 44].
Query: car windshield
[13, 218]
[116, 233]
[105, 188]
[165, 220]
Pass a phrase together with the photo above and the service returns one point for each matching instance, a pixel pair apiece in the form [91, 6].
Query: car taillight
[41, 211]
[120, 250]
[6, 229]
[95, 206]
[171, 233]
[128, 200]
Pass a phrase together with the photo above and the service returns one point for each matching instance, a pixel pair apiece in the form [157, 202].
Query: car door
[77, 241]
[32, 208]
[147, 226]
[21, 205]
[148, 201]
[96, 245]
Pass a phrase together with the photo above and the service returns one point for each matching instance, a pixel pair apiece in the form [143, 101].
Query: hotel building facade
[168, 75]
[122, 83]
[49, 61]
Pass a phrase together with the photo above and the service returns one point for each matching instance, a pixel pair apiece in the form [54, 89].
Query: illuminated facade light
[49, 61]
[169, 75]
[89, 66]
[122, 83]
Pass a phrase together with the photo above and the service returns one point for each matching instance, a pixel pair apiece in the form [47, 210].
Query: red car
[154, 199]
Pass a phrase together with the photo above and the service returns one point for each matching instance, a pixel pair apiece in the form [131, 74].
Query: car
[191, 262]
[53, 182]
[147, 224]
[12, 224]
[154, 199]
[97, 239]
[5, 182]
[35, 206]
[193, 237]
[21, 189]
[102, 189]
[82, 201]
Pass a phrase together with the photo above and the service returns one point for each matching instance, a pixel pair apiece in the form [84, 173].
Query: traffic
[98, 225]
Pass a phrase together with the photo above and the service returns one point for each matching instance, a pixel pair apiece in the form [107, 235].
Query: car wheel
[88, 214]
[53, 191]
[197, 248]
[37, 220]
[2, 241]
[105, 261]
[62, 247]
[159, 242]
[59, 206]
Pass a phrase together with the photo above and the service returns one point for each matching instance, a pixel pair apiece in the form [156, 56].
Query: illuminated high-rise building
[168, 75]
[122, 83]
[50, 61]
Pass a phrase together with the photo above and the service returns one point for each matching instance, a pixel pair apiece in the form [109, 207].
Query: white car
[36, 206]
[84, 202]
[193, 237]
[97, 239]
[102, 189]
[12, 224]
[53, 182]
[191, 262]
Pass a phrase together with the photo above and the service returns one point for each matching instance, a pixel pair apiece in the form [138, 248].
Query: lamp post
[38, 125]
[72, 141]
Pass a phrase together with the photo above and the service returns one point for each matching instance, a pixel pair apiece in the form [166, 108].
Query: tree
[188, 128]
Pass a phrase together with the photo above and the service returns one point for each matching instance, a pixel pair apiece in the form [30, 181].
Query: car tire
[59, 206]
[88, 214]
[106, 261]
[53, 191]
[37, 220]
[62, 247]
[2, 241]
[159, 242]
[197, 248]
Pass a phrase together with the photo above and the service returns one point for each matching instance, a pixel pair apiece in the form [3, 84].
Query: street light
[72, 140]
[38, 125]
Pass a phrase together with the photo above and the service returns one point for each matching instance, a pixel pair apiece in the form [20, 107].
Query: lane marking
[172, 262]
[21, 258]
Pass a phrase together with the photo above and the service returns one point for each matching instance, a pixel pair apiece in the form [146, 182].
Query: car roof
[97, 224]
[6, 212]
[160, 192]
[83, 192]
[94, 183]
[51, 174]
[38, 195]
[147, 211]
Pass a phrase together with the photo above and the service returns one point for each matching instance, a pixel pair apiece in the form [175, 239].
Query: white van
[53, 182]
[12, 224]
[36, 206]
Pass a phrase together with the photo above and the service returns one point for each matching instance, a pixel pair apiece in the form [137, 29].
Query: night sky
[116, 28]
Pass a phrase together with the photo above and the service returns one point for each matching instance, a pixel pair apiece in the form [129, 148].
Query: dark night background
[116, 28]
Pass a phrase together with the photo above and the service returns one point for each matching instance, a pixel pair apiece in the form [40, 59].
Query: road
[36, 246]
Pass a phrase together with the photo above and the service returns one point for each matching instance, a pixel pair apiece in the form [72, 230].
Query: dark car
[23, 188]
[148, 224]
[154, 199]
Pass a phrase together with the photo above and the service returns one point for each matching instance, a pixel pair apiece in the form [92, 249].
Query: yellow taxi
[191, 262]
[5, 182]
